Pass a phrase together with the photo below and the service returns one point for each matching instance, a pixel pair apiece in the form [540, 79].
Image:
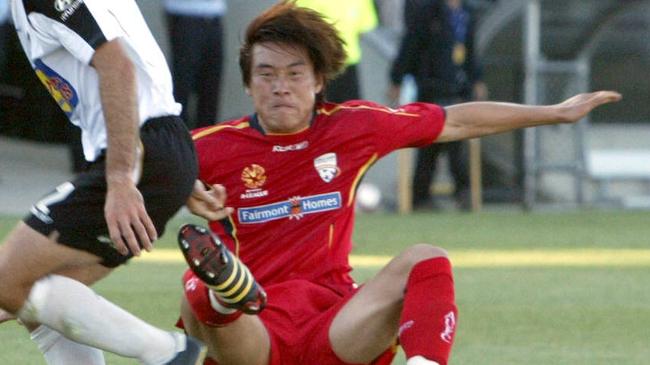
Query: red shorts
[298, 316]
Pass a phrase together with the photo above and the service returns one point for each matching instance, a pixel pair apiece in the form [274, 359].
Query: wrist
[118, 178]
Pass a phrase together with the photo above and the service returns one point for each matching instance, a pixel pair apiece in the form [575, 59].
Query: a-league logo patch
[253, 176]
[327, 166]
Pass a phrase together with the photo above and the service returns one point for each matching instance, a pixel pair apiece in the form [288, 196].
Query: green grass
[508, 315]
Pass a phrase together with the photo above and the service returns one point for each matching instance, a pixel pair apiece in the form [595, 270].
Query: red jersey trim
[217, 128]
[362, 171]
[338, 107]
[331, 237]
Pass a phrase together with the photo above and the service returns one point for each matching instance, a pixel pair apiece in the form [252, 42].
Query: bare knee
[399, 268]
[416, 254]
[14, 288]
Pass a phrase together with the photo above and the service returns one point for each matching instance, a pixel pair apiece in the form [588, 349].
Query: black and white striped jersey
[60, 37]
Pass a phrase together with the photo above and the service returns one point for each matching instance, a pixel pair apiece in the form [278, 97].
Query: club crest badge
[327, 166]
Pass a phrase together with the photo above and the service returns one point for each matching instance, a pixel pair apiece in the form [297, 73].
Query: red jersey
[294, 194]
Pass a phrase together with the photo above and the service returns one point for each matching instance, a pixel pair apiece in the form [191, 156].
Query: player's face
[283, 87]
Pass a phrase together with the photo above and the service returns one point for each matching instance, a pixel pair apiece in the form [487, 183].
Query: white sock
[419, 360]
[78, 313]
[58, 350]
[216, 305]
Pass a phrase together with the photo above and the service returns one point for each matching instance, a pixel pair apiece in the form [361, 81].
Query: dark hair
[287, 23]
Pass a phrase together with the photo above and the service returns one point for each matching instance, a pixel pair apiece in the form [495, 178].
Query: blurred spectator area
[27, 111]
[604, 40]
[612, 35]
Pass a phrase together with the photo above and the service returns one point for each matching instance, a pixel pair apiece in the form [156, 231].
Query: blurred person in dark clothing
[5, 29]
[437, 49]
[196, 39]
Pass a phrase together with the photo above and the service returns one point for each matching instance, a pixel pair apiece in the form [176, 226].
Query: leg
[185, 60]
[459, 166]
[371, 319]
[27, 256]
[209, 84]
[425, 169]
[29, 259]
[57, 349]
[5, 28]
[241, 342]
[217, 289]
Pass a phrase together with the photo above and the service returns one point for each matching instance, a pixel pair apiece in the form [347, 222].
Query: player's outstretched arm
[476, 119]
[208, 201]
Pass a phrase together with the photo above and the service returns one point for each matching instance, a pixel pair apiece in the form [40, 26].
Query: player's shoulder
[55, 9]
[221, 129]
[45, 7]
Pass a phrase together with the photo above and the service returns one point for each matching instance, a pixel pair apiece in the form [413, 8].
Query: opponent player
[102, 66]
[291, 169]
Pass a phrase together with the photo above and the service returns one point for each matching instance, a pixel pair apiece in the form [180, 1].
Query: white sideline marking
[485, 258]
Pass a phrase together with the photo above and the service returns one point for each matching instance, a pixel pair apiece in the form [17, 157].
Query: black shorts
[75, 210]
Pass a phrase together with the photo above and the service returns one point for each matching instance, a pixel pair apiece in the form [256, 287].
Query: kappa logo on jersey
[60, 89]
[294, 208]
[450, 326]
[292, 147]
[327, 166]
[67, 7]
[254, 177]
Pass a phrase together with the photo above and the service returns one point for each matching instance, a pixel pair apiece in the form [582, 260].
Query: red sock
[197, 296]
[428, 322]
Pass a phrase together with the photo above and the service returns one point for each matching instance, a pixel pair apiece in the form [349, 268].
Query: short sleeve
[79, 26]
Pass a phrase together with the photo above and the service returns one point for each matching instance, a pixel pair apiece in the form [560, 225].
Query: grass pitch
[540, 288]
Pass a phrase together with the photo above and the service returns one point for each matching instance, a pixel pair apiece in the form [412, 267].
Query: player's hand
[577, 107]
[128, 223]
[209, 201]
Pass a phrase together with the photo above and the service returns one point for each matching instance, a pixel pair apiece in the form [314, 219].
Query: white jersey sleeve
[60, 38]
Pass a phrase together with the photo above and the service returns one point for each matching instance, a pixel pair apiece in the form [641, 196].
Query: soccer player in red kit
[291, 170]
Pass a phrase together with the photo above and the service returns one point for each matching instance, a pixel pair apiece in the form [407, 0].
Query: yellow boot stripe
[230, 279]
[244, 292]
[237, 285]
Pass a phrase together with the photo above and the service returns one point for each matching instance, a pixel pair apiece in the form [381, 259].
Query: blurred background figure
[351, 18]
[4, 25]
[5, 28]
[196, 36]
[437, 49]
